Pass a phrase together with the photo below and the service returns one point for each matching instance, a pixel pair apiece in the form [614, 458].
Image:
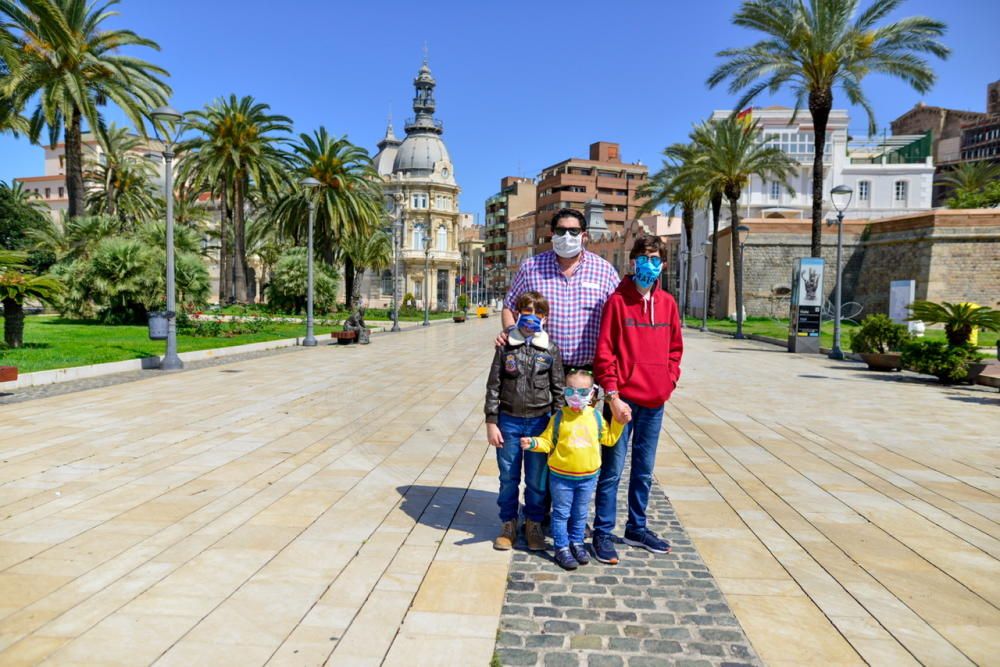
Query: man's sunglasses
[572, 231]
[582, 392]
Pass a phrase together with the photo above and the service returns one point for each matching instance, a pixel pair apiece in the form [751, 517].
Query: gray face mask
[567, 246]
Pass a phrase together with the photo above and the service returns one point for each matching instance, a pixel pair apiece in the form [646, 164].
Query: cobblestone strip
[58, 388]
[650, 610]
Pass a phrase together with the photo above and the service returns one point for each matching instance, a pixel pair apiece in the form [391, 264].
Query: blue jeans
[570, 505]
[536, 468]
[644, 430]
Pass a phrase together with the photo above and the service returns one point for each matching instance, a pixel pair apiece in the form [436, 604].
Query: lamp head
[166, 115]
[309, 183]
[841, 197]
[744, 233]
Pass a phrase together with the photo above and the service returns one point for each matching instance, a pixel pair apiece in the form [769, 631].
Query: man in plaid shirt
[576, 284]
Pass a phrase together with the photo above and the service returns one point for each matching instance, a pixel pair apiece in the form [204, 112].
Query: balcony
[899, 149]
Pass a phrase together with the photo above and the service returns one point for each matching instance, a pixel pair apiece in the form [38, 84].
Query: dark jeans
[536, 468]
[570, 505]
[644, 431]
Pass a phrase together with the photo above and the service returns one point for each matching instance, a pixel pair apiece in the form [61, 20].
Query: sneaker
[565, 559]
[648, 540]
[579, 551]
[534, 535]
[505, 540]
[604, 549]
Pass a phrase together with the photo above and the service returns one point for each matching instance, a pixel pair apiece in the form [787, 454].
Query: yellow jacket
[576, 452]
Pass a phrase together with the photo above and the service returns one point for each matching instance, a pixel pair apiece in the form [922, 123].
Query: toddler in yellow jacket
[573, 440]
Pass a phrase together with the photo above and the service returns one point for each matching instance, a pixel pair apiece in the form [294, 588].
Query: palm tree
[239, 144]
[812, 46]
[120, 179]
[71, 61]
[676, 183]
[959, 319]
[969, 178]
[730, 152]
[349, 199]
[10, 116]
[366, 251]
[16, 287]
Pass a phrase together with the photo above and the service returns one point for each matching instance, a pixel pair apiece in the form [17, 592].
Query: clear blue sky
[517, 90]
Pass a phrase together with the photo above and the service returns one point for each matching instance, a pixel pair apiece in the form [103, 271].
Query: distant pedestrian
[573, 440]
[524, 387]
[638, 364]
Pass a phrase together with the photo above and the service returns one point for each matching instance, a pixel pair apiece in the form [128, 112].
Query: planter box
[8, 373]
[483, 311]
[889, 361]
[458, 318]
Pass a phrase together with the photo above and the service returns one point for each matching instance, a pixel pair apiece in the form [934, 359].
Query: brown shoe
[534, 535]
[505, 540]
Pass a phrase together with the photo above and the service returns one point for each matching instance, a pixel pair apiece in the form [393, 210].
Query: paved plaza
[337, 505]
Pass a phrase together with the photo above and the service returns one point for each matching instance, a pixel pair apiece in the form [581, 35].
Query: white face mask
[567, 246]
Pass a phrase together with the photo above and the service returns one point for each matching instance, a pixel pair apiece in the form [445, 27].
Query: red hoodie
[639, 348]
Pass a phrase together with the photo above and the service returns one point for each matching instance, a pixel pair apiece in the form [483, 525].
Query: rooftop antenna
[425, 51]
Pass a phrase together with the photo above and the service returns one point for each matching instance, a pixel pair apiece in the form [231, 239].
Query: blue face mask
[647, 270]
[529, 322]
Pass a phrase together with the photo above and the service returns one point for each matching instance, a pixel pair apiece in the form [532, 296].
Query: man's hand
[620, 410]
[493, 436]
[501, 339]
[525, 443]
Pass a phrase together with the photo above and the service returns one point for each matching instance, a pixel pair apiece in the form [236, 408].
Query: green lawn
[375, 314]
[53, 342]
[765, 326]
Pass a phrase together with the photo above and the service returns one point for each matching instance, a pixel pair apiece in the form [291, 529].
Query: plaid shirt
[575, 303]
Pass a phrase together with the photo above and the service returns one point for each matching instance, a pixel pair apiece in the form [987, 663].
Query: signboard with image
[806, 305]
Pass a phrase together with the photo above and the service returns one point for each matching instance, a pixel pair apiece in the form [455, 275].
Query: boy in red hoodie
[637, 363]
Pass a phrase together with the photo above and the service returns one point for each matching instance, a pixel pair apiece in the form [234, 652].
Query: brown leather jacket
[526, 380]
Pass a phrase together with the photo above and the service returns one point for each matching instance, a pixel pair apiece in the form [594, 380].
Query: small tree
[16, 287]
[959, 319]
[289, 283]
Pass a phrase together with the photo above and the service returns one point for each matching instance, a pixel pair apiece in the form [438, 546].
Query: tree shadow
[981, 400]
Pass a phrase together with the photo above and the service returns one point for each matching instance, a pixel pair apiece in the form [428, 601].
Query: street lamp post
[393, 204]
[169, 118]
[744, 233]
[705, 290]
[309, 184]
[841, 198]
[427, 284]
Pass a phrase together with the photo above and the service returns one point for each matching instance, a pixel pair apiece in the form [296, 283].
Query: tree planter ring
[890, 361]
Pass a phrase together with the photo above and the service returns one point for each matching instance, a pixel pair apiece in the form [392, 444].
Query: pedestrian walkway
[336, 505]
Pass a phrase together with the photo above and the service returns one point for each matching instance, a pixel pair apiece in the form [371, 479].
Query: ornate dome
[423, 149]
[419, 153]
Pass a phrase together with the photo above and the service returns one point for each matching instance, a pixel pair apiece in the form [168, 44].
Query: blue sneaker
[565, 559]
[604, 549]
[579, 551]
[648, 540]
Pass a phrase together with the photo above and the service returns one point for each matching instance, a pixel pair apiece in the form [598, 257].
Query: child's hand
[525, 443]
[493, 436]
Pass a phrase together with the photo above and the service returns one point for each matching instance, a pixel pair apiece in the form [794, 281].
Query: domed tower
[422, 173]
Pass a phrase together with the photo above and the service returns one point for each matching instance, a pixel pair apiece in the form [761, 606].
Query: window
[62, 161]
[62, 192]
[48, 192]
[419, 200]
[775, 190]
[442, 242]
[900, 192]
[387, 282]
[418, 237]
[864, 191]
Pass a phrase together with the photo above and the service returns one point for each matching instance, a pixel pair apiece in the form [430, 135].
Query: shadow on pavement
[981, 400]
[444, 507]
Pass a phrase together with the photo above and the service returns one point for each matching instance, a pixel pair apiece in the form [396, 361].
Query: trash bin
[364, 336]
[158, 325]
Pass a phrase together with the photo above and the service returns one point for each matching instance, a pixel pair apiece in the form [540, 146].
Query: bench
[344, 337]
[8, 373]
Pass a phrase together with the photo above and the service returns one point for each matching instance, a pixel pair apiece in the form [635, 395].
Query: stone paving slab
[649, 610]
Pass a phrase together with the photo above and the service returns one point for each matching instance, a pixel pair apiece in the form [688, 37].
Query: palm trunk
[13, 323]
[713, 281]
[239, 243]
[223, 248]
[349, 281]
[688, 220]
[359, 274]
[74, 165]
[737, 263]
[820, 103]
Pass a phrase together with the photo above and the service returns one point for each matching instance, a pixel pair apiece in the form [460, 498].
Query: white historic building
[890, 175]
[420, 170]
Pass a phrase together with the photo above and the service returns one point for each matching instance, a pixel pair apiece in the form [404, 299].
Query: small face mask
[566, 244]
[529, 322]
[647, 270]
[579, 397]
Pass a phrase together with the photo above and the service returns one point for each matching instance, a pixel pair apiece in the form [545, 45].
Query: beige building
[50, 187]
[516, 197]
[419, 170]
